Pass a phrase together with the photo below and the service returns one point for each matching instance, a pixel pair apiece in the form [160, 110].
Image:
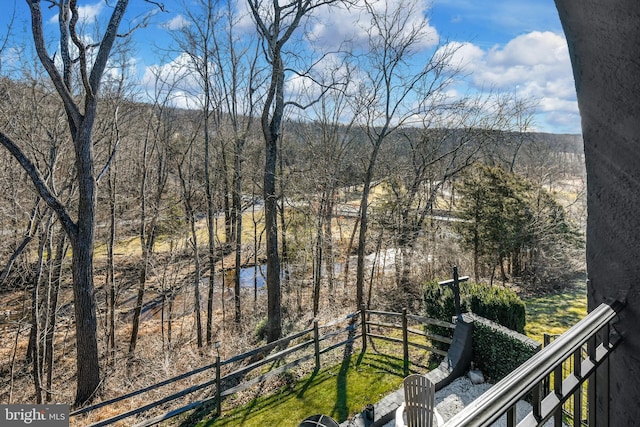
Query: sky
[511, 46]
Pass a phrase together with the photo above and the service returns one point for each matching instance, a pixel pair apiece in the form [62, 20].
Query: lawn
[343, 390]
[340, 391]
[555, 313]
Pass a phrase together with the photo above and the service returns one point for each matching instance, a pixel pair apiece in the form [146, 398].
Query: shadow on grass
[341, 408]
[555, 313]
[392, 366]
[339, 391]
[307, 383]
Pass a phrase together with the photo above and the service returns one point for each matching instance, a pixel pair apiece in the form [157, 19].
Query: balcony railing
[587, 345]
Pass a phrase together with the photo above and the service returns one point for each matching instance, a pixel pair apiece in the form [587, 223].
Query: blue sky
[507, 45]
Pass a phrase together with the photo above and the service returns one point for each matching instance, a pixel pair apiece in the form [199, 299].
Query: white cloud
[463, 56]
[176, 23]
[535, 65]
[174, 79]
[11, 57]
[329, 27]
[531, 49]
[176, 82]
[332, 26]
[88, 14]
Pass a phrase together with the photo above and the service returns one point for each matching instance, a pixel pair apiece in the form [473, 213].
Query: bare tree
[190, 198]
[81, 116]
[225, 66]
[237, 62]
[428, 160]
[394, 93]
[113, 129]
[329, 136]
[197, 42]
[276, 23]
[153, 174]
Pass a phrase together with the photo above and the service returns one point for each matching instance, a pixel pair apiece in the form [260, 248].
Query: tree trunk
[237, 216]
[364, 220]
[85, 311]
[271, 132]
[317, 266]
[328, 245]
[196, 282]
[56, 276]
[274, 317]
[110, 282]
[37, 319]
[82, 265]
[211, 238]
[191, 218]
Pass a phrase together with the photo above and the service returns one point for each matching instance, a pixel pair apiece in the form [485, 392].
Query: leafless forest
[248, 214]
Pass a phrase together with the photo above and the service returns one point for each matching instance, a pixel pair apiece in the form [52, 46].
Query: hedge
[497, 351]
[498, 304]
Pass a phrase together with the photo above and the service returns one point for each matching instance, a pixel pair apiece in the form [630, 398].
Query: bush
[498, 304]
[260, 330]
[497, 351]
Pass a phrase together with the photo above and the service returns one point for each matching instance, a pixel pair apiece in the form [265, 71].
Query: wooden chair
[419, 397]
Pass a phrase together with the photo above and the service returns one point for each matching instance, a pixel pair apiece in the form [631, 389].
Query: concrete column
[604, 43]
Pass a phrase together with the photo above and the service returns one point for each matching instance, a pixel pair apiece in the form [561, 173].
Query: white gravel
[453, 398]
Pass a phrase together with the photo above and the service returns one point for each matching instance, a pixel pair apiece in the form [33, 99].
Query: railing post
[577, 396]
[546, 340]
[405, 341]
[536, 401]
[557, 389]
[316, 343]
[363, 315]
[512, 419]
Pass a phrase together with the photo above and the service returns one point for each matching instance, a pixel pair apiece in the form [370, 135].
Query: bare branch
[107, 43]
[41, 186]
[115, 147]
[160, 5]
[49, 65]
[82, 49]
[34, 221]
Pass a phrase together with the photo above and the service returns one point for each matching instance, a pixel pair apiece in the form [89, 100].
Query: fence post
[316, 342]
[363, 315]
[405, 341]
[218, 387]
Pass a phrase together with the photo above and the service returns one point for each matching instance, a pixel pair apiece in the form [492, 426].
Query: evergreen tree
[509, 224]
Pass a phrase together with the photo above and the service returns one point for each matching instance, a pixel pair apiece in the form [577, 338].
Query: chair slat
[419, 396]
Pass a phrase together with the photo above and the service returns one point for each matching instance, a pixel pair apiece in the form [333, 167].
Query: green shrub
[260, 330]
[497, 351]
[498, 304]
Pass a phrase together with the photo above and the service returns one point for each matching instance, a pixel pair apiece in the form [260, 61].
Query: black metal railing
[579, 400]
[596, 333]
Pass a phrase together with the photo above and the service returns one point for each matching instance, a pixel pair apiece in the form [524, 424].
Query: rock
[476, 376]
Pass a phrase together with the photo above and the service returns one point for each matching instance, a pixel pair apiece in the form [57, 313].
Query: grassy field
[555, 313]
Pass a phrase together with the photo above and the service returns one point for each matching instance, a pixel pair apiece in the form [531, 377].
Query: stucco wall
[604, 43]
